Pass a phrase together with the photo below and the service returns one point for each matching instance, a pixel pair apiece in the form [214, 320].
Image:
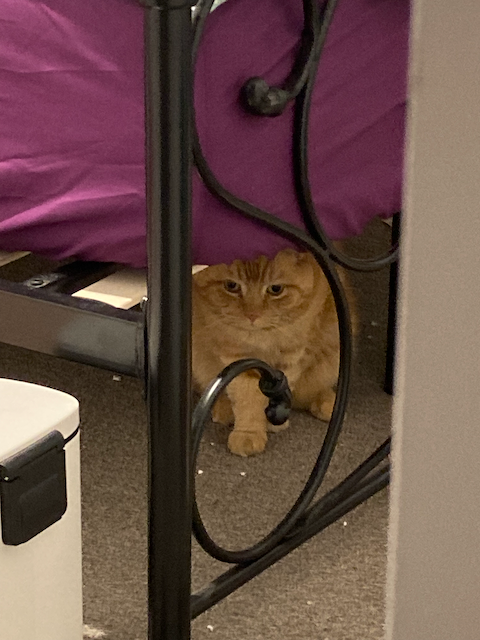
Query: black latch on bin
[33, 489]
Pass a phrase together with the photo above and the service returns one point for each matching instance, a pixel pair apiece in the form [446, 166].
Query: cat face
[262, 294]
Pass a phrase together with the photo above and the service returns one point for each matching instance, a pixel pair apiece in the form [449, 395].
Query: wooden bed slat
[123, 289]
[6, 258]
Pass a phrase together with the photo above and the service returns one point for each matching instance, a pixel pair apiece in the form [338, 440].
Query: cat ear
[291, 261]
[207, 276]
[292, 258]
[307, 271]
[306, 258]
[302, 269]
[319, 278]
[286, 255]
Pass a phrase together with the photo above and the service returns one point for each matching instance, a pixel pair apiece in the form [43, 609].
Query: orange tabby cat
[281, 311]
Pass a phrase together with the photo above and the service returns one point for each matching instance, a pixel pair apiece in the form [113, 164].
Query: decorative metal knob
[261, 99]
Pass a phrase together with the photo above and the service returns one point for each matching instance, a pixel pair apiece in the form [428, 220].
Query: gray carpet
[332, 588]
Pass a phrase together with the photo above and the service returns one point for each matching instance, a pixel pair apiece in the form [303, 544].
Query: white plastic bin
[41, 580]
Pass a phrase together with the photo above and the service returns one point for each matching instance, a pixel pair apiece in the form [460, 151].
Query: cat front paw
[276, 428]
[222, 411]
[323, 408]
[247, 443]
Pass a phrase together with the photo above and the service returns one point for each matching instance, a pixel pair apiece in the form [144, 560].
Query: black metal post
[168, 314]
[392, 312]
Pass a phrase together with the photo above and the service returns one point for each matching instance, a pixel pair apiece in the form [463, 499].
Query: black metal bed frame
[153, 342]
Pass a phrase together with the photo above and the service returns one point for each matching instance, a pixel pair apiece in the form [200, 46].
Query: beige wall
[434, 547]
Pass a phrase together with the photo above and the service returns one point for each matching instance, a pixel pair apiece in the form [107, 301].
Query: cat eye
[275, 289]
[232, 287]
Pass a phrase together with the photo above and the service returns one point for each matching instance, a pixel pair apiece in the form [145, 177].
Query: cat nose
[252, 316]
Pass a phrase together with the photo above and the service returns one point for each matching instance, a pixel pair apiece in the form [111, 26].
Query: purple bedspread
[72, 128]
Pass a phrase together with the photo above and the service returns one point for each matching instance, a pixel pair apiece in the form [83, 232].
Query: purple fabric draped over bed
[72, 125]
